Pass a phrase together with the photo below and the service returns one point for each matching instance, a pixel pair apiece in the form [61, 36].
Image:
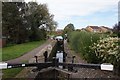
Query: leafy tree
[70, 27]
[39, 18]
[12, 21]
[116, 29]
[26, 21]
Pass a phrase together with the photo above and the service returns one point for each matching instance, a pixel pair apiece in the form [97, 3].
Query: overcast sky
[82, 13]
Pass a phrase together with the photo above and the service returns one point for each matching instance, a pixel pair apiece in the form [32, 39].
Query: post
[71, 67]
[45, 56]
[55, 62]
[73, 59]
[64, 58]
[36, 59]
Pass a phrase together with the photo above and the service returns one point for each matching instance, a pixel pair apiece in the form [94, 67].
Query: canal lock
[55, 73]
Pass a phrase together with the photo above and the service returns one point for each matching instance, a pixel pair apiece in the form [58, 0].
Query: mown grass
[15, 51]
[11, 73]
[11, 52]
[80, 42]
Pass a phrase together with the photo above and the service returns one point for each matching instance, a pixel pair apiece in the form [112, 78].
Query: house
[105, 29]
[93, 29]
[101, 29]
[59, 31]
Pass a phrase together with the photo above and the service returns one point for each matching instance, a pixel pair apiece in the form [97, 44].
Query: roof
[106, 27]
[94, 27]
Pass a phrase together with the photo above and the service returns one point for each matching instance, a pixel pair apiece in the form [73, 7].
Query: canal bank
[55, 71]
[28, 72]
[86, 72]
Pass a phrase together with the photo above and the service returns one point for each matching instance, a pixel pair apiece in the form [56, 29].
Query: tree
[39, 18]
[12, 21]
[70, 27]
[26, 21]
[116, 29]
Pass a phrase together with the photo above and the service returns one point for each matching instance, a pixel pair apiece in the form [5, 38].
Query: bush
[80, 42]
[107, 50]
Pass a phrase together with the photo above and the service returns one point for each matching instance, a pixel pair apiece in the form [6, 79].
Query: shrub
[107, 50]
[80, 42]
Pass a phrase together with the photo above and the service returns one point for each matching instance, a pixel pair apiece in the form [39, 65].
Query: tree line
[22, 22]
[116, 29]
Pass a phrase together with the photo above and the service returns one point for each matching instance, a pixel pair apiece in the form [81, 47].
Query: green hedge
[80, 42]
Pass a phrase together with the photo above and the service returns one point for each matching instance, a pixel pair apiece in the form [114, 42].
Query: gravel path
[85, 72]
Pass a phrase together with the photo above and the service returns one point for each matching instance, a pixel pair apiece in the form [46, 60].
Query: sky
[83, 13]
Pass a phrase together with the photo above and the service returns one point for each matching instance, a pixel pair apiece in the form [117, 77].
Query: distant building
[59, 31]
[93, 29]
[101, 29]
[105, 29]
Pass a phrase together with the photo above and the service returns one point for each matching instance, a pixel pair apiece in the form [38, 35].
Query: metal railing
[55, 63]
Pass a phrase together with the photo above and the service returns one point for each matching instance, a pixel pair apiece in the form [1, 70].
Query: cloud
[67, 8]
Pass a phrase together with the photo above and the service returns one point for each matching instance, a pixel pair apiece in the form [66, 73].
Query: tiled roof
[94, 27]
[106, 27]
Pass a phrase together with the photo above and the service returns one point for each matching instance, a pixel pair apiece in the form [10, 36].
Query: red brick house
[101, 29]
[59, 31]
[105, 29]
[93, 29]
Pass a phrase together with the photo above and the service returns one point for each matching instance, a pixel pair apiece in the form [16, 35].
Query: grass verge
[12, 52]
[11, 73]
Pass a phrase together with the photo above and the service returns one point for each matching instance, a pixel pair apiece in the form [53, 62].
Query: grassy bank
[80, 42]
[15, 51]
[11, 73]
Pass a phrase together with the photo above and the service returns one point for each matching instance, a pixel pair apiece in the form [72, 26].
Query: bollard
[64, 58]
[55, 62]
[36, 59]
[71, 68]
[45, 56]
[73, 59]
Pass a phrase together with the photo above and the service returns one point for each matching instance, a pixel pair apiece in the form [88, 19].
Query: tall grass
[80, 42]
